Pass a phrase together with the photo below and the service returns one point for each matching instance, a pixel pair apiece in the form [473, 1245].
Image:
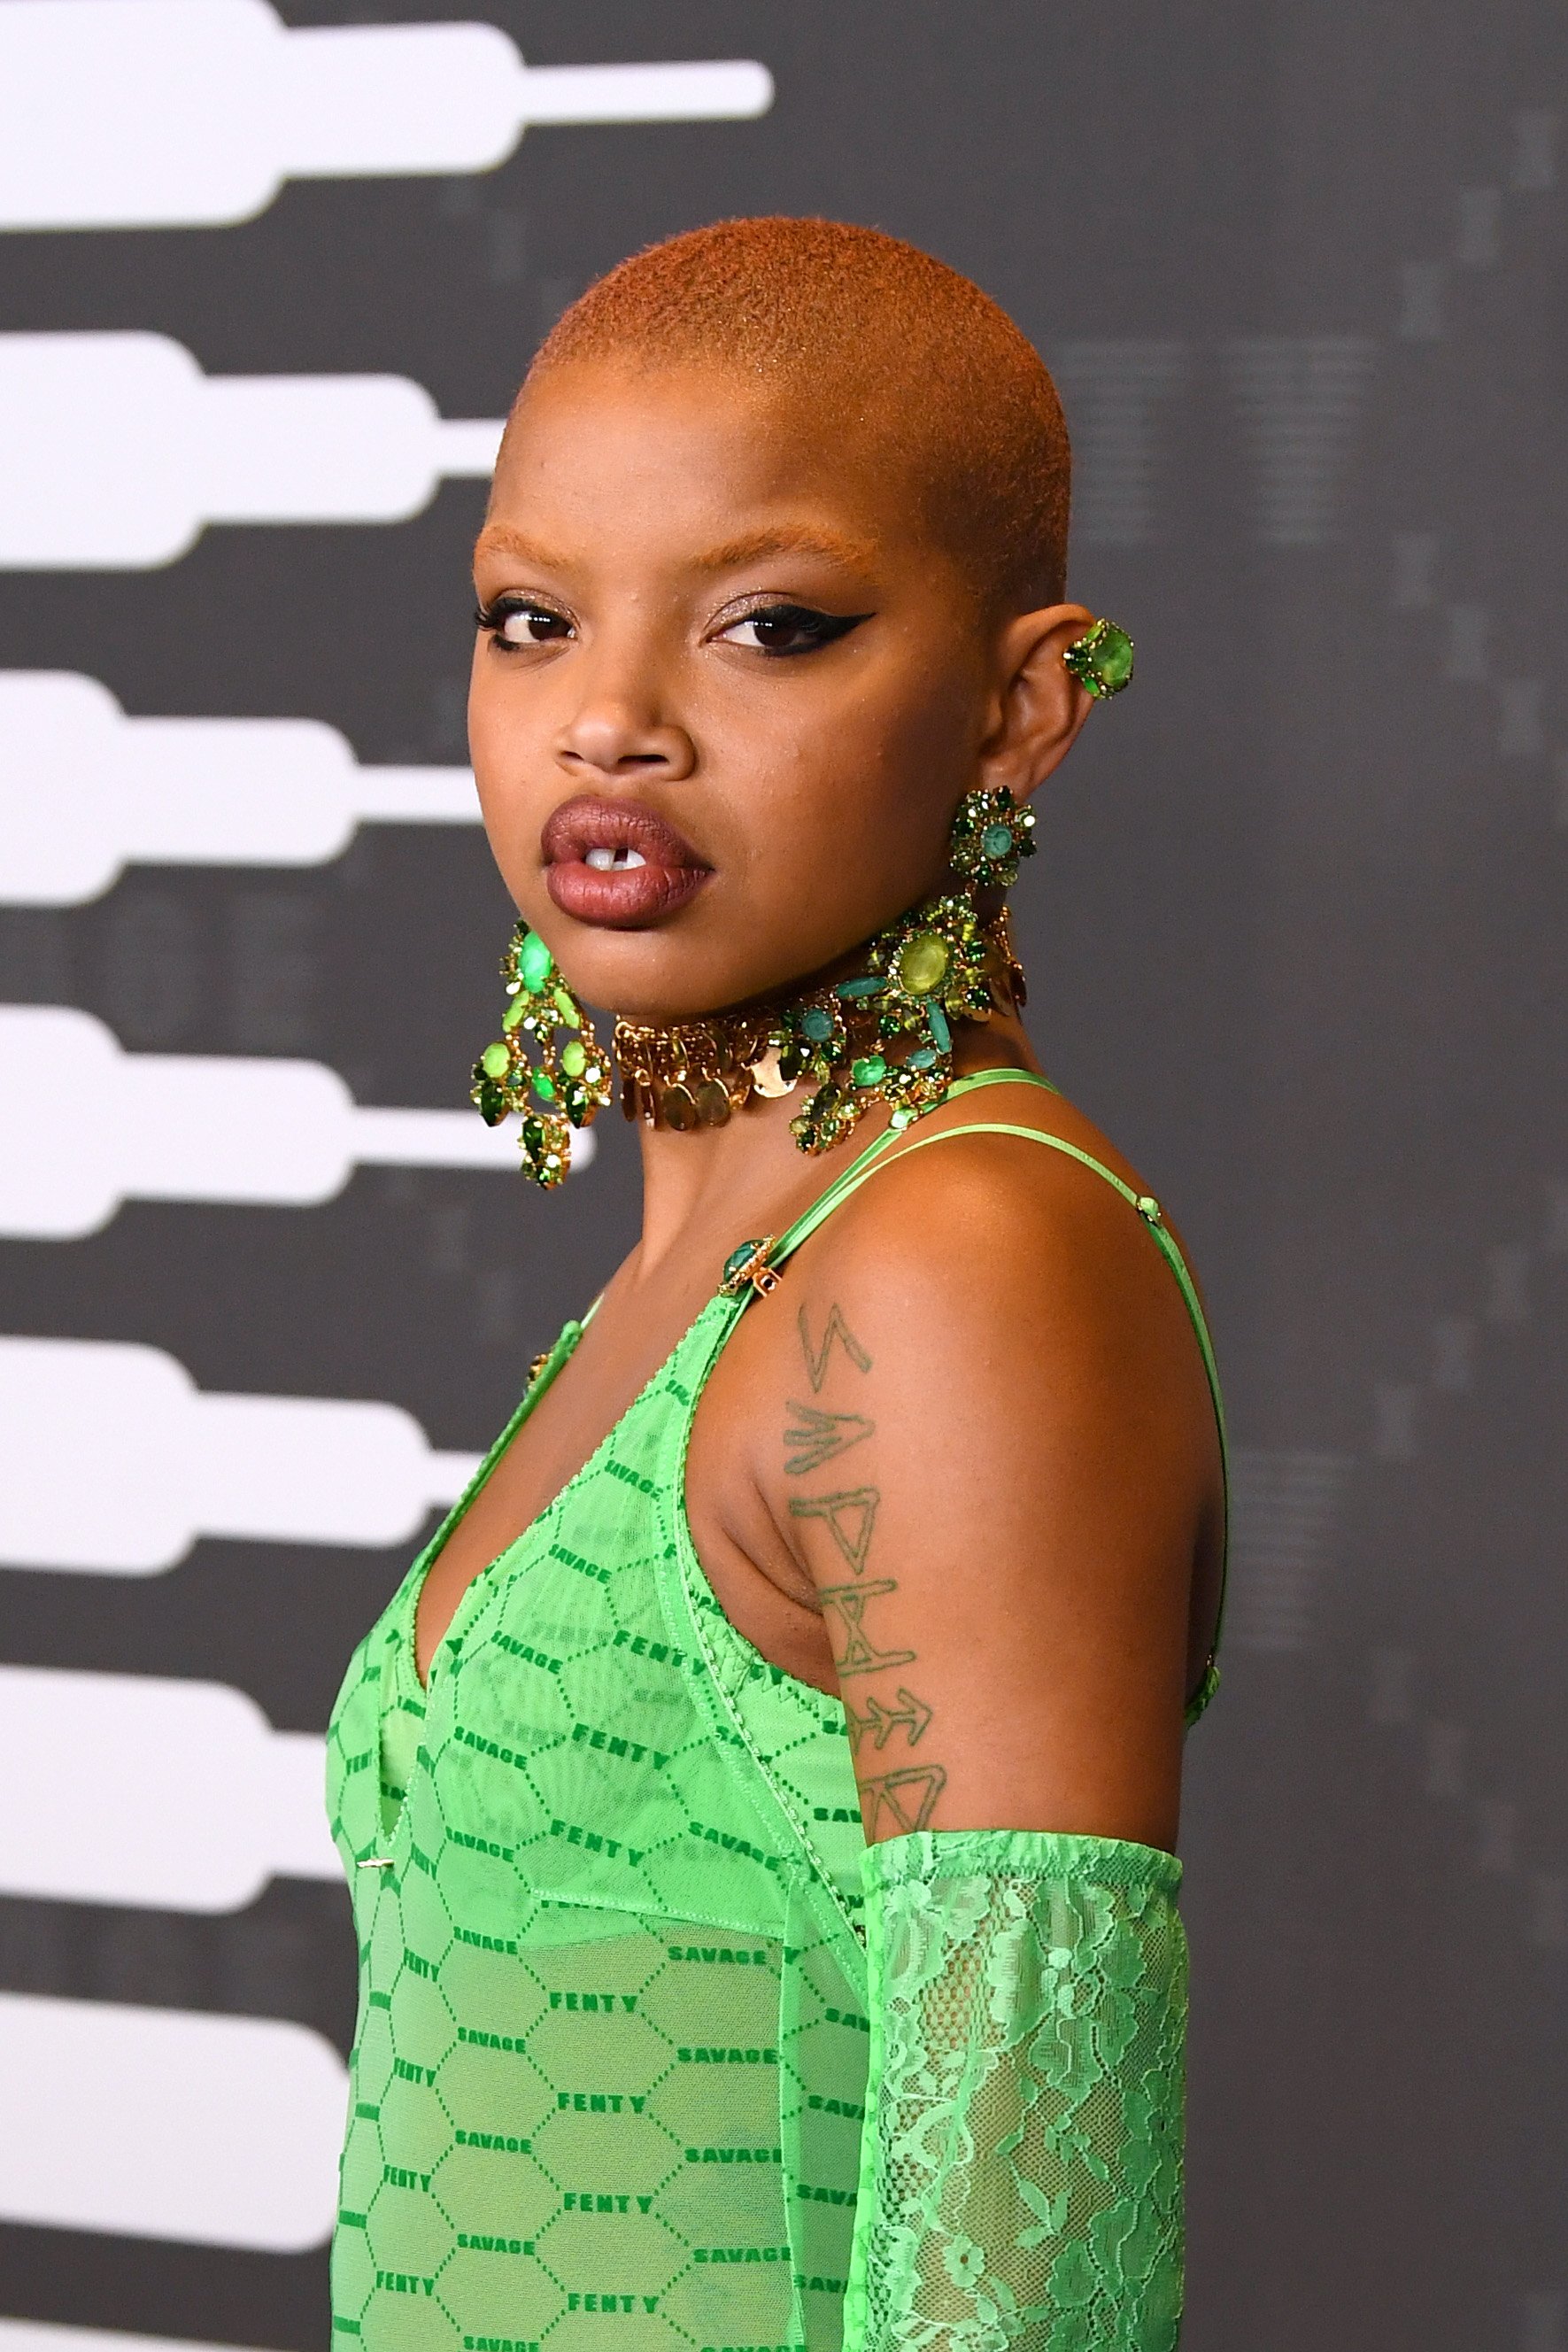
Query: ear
[1040, 706]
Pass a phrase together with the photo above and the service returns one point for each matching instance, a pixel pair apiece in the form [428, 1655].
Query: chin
[692, 952]
[654, 977]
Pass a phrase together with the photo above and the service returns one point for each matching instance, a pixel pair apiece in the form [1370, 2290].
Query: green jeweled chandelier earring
[569, 1082]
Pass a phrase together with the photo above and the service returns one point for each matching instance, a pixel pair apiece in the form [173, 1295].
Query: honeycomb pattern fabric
[612, 2041]
[1021, 2181]
[608, 2080]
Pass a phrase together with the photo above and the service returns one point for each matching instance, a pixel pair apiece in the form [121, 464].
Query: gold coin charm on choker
[691, 1075]
[767, 1079]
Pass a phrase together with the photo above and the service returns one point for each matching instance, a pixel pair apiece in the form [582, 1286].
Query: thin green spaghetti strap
[859, 1169]
[999, 1077]
[1149, 1209]
[1145, 1203]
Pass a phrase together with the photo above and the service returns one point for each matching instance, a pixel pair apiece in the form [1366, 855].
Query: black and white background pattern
[268, 276]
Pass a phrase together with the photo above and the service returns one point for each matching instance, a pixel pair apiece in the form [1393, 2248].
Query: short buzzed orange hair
[863, 325]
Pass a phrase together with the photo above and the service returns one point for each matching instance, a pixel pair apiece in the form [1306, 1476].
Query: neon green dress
[643, 2022]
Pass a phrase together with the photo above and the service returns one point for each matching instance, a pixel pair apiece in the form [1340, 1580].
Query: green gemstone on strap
[496, 1060]
[923, 1058]
[937, 1022]
[868, 1072]
[996, 840]
[738, 1259]
[574, 1057]
[534, 963]
[566, 1009]
[872, 985]
[514, 1012]
[817, 1024]
[544, 1086]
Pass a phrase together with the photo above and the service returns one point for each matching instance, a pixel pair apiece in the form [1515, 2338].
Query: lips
[618, 865]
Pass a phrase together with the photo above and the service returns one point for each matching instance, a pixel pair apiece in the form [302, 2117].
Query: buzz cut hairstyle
[863, 326]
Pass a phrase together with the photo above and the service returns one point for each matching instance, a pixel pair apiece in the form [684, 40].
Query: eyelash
[493, 617]
[818, 629]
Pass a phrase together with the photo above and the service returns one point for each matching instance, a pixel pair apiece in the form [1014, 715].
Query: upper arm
[998, 1452]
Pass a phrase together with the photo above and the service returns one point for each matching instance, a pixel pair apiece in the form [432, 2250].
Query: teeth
[614, 861]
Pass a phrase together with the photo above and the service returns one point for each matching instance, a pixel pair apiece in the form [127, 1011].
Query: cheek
[880, 767]
[482, 720]
[501, 749]
[492, 725]
[839, 804]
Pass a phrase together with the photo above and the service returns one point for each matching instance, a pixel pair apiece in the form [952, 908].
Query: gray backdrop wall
[1296, 939]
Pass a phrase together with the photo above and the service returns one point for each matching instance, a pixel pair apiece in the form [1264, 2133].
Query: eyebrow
[753, 547]
[500, 539]
[788, 538]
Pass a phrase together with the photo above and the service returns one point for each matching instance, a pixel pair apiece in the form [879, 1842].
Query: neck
[705, 1189]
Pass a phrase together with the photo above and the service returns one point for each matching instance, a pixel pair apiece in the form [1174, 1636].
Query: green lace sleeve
[1022, 2166]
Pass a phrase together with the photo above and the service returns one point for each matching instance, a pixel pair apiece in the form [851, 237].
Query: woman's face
[729, 696]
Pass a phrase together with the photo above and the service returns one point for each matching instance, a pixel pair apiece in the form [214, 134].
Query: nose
[619, 728]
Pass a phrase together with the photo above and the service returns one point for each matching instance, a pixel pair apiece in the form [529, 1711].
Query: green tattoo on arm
[816, 1438]
[817, 1357]
[880, 1720]
[904, 1797]
[861, 1655]
[849, 1519]
[909, 1796]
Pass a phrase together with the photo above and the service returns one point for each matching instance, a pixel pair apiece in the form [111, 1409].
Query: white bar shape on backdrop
[120, 451]
[162, 113]
[115, 1463]
[85, 790]
[89, 1126]
[166, 1794]
[154, 2123]
[46, 2335]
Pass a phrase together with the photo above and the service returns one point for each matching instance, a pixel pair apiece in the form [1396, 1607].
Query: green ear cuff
[1101, 660]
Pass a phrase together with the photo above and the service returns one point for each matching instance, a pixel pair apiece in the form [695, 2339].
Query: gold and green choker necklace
[883, 1036]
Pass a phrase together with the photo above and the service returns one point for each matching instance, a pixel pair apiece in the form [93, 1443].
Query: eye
[785, 629]
[515, 621]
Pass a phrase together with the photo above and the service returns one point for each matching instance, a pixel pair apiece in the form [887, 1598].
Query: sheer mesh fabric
[1021, 2177]
[607, 2080]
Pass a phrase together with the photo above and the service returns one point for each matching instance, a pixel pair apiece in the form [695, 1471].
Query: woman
[760, 1816]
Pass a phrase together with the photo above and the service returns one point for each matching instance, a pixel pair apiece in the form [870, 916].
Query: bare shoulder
[1001, 1461]
[1007, 1246]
